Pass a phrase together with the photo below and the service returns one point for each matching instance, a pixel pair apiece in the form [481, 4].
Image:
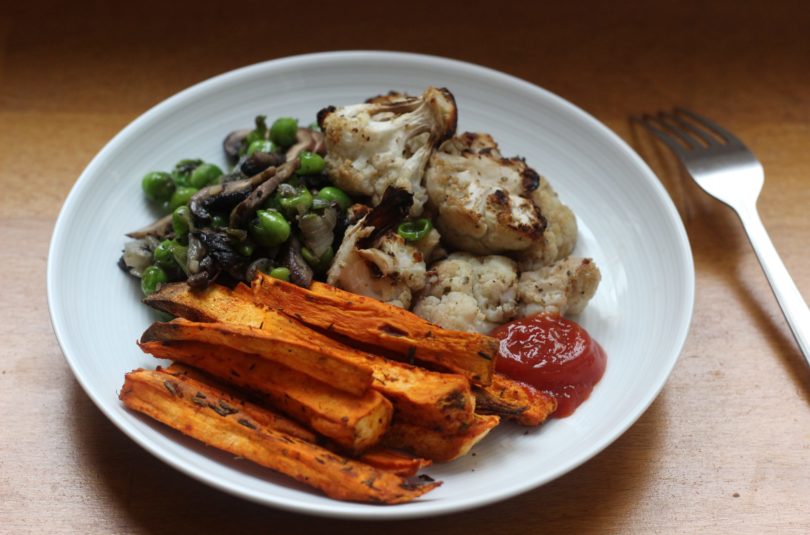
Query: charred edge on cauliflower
[387, 215]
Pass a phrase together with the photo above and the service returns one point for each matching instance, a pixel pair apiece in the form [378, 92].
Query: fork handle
[787, 294]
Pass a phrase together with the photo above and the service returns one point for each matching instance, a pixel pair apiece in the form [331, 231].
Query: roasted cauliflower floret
[470, 293]
[564, 287]
[560, 235]
[387, 141]
[373, 260]
[489, 204]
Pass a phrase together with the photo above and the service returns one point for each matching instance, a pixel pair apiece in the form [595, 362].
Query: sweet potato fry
[213, 417]
[394, 461]
[436, 446]
[262, 415]
[353, 422]
[514, 400]
[377, 324]
[436, 400]
[213, 304]
[330, 363]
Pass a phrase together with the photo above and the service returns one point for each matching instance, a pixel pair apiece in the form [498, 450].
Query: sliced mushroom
[259, 161]
[222, 197]
[307, 140]
[137, 255]
[300, 272]
[248, 206]
[221, 251]
[158, 229]
[233, 142]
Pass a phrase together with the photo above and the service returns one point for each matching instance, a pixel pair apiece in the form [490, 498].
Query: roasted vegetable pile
[275, 212]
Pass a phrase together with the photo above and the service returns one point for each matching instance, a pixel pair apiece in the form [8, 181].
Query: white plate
[640, 314]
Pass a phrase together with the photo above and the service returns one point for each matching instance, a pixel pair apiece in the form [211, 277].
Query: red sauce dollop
[552, 354]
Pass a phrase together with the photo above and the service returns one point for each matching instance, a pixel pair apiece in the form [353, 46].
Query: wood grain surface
[726, 446]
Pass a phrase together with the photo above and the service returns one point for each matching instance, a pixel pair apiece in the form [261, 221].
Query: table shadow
[139, 490]
[720, 248]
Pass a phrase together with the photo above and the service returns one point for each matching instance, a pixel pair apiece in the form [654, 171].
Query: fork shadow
[140, 490]
[720, 247]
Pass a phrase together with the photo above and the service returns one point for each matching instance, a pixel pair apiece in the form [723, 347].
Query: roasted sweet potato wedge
[439, 447]
[376, 324]
[354, 422]
[262, 415]
[514, 401]
[219, 420]
[394, 461]
[327, 362]
[440, 401]
[216, 303]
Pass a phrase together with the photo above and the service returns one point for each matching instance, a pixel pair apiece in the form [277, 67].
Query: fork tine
[719, 130]
[648, 121]
[668, 121]
[686, 125]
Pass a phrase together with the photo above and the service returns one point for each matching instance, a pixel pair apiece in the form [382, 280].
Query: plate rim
[374, 513]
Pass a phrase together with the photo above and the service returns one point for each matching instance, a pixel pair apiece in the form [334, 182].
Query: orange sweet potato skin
[441, 401]
[514, 401]
[354, 422]
[284, 344]
[213, 417]
[436, 446]
[378, 324]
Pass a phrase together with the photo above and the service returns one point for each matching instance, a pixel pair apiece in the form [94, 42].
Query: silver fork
[728, 171]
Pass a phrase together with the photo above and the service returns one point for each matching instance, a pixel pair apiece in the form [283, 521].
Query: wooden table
[726, 446]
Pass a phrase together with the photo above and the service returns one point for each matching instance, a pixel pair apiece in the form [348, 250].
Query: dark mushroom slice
[160, 228]
[300, 272]
[307, 140]
[233, 143]
[223, 197]
[259, 161]
[220, 249]
[276, 175]
[261, 264]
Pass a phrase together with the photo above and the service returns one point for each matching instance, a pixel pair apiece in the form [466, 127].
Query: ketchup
[552, 354]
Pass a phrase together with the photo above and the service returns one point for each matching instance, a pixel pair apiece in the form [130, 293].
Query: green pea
[320, 265]
[180, 253]
[245, 248]
[270, 228]
[284, 131]
[260, 145]
[164, 254]
[331, 193]
[182, 171]
[157, 186]
[297, 204]
[280, 273]
[181, 196]
[311, 163]
[151, 279]
[257, 134]
[181, 221]
[415, 230]
[219, 221]
[204, 175]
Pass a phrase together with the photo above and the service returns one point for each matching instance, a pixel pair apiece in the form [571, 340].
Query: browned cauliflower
[487, 204]
[375, 261]
[387, 141]
[564, 287]
[469, 293]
